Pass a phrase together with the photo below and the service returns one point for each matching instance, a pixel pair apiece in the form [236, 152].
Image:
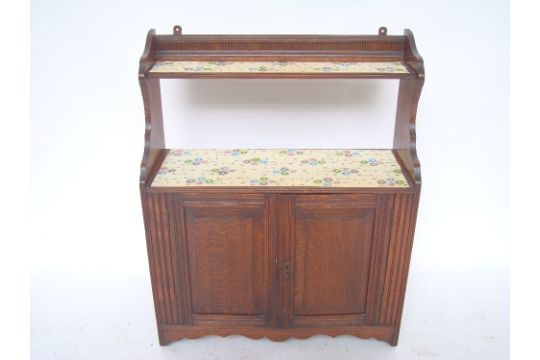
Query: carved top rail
[279, 56]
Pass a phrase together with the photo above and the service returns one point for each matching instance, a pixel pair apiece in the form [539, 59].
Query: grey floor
[449, 314]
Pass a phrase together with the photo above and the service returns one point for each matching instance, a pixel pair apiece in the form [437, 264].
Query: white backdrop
[91, 293]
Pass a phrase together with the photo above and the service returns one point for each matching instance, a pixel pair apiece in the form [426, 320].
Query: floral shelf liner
[280, 167]
[278, 67]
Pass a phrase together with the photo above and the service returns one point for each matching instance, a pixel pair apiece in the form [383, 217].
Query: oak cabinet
[305, 263]
[280, 243]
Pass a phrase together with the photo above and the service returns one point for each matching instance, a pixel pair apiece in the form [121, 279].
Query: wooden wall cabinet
[286, 242]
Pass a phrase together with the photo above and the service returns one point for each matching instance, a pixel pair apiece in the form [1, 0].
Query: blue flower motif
[282, 171]
[260, 181]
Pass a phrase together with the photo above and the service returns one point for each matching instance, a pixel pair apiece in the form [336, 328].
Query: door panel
[332, 261]
[227, 248]
[333, 239]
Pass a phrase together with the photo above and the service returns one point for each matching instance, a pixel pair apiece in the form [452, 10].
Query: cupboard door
[226, 242]
[335, 258]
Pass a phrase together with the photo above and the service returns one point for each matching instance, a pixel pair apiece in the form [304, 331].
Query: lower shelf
[344, 168]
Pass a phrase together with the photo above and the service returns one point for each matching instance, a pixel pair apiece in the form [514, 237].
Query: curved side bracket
[147, 57]
[154, 140]
[408, 98]
[411, 55]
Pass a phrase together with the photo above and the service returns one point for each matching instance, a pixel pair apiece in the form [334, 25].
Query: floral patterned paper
[278, 67]
[280, 167]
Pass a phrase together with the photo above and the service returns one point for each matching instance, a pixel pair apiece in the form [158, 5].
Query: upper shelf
[280, 56]
[184, 69]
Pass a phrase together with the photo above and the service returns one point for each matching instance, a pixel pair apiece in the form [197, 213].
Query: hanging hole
[382, 31]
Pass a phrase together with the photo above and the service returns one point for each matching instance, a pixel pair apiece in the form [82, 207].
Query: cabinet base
[170, 333]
